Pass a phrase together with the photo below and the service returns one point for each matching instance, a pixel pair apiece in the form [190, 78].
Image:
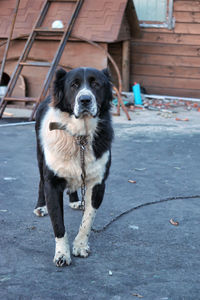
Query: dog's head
[82, 92]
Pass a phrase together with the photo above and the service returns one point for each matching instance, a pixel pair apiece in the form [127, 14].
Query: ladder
[23, 60]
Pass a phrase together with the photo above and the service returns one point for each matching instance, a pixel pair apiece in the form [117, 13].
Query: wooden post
[126, 65]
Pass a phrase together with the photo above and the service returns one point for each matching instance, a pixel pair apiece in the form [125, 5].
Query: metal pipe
[17, 124]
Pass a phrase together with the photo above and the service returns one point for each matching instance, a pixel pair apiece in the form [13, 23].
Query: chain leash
[82, 141]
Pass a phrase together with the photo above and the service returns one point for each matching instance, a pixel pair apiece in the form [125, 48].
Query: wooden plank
[115, 50]
[21, 99]
[164, 49]
[187, 6]
[172, 92]
[187, 17]
[169, 38]
[168, 82]
[168, 71]
[64, 0]
[187, 28]
[161, 30]
[125, 65]
[179, 61]
[49, 30]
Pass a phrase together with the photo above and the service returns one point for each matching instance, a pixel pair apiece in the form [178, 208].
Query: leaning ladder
[23, 60]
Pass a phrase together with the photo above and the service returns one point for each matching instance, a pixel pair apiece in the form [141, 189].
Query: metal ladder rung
[49, 30]
[21, 99]
[35, 63]
[62, 0]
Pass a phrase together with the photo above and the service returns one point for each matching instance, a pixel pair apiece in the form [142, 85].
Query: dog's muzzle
[85, 104]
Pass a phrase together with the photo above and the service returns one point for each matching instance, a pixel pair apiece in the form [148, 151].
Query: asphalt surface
[140, 254]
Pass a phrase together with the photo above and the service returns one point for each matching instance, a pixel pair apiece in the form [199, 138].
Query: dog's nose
[85, 100]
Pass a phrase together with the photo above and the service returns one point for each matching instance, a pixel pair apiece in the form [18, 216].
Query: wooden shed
[110, 23]
[167, 61]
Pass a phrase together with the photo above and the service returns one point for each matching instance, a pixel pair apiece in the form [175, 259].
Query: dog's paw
[61, 259]
[75, 205]
[41, 211]
[80, 249]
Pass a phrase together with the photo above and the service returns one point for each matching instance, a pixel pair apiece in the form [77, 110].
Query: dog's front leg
[93, 199]
[54, 199]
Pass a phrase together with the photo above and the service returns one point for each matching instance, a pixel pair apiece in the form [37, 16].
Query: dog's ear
[58, 86]
[60, 74]
[106, 72]
[108, 90]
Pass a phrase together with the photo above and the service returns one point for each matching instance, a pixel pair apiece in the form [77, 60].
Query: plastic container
[137, 94]
[57, 24]
[3, 89]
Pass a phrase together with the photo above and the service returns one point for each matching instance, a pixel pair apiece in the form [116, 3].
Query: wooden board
[187, 28]
[167, 82]
[187, 17]
[191, 5]
[163, 49]
[172, 92]
[169, 38]
[165, 60]
[169, 71]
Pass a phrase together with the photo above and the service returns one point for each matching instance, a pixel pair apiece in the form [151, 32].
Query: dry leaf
[178, 119]
[175, 223]
[132, 181]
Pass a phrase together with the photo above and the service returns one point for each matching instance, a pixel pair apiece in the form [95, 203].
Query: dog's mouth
[82, 113]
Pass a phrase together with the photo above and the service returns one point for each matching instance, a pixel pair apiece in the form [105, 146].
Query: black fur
[65, 89]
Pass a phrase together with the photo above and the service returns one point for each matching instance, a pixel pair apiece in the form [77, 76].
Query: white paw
[62, 259]
[75, 205]
[80, 249]
[41, 211]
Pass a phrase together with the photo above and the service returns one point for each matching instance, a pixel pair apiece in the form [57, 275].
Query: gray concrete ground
[141, 254]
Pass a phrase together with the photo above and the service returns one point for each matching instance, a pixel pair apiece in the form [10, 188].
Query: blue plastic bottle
[137, 94]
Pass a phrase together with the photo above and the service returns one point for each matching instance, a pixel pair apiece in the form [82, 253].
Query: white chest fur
[62, 154]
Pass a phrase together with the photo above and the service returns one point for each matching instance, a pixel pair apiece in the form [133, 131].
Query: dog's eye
[94, 84]
[75, 85]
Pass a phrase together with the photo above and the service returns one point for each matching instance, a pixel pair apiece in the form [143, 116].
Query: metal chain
[82, 141]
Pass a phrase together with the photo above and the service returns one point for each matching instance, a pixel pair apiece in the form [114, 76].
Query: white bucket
[3, 89]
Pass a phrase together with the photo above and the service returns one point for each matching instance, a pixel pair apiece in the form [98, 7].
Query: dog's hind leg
[94, 197]
[74, 201]
[40, 208]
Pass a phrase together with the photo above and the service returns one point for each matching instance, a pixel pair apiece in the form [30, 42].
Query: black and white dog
[81, 103]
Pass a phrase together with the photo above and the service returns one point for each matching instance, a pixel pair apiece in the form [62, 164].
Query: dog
[80, 107]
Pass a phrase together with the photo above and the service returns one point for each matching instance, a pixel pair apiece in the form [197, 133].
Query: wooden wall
[168, 61]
